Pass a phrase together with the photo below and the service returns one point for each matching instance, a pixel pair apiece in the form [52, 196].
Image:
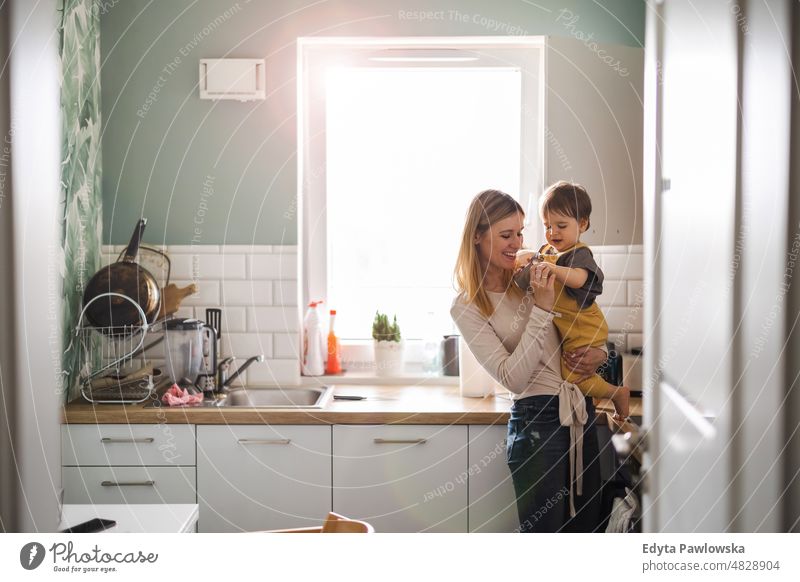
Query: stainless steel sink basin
[276, 397]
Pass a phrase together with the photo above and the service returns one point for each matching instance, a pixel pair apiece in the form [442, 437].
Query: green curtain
[81, 168]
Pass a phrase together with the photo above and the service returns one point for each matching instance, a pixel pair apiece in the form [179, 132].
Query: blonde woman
[552, 448]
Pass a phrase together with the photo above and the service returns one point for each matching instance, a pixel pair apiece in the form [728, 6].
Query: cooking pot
[113, 293]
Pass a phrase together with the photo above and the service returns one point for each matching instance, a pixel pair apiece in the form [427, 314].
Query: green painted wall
[218, 172]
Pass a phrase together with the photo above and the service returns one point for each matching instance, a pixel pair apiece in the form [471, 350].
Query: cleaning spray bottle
[313, 343]
[334, 365]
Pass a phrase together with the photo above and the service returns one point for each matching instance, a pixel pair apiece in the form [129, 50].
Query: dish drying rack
[112, 348]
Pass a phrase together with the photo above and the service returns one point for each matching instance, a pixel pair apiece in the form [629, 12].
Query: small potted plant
[388, 345]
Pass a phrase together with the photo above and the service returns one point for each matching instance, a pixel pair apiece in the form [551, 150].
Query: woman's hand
[584, 361]
[542, 281]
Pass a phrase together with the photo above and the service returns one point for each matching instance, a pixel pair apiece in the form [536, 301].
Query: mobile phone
[91, 526]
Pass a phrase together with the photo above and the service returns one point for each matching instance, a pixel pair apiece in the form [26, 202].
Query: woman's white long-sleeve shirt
[518, 345]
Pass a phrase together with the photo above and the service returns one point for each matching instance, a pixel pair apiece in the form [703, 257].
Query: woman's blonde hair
[487, 208]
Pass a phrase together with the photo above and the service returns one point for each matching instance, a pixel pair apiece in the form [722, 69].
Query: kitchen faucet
[223, 380]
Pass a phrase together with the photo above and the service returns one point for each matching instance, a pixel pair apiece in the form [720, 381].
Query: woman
[552, 445]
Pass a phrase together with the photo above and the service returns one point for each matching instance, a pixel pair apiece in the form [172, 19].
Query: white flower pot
[388, 358]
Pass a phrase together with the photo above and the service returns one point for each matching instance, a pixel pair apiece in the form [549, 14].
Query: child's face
[562, 232]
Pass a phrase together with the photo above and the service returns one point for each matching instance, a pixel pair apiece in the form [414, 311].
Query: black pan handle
[136, 238]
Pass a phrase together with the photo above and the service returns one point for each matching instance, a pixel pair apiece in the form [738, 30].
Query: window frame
[316, 54]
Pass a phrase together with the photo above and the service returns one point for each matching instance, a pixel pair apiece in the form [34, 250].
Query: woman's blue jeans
[538, 457]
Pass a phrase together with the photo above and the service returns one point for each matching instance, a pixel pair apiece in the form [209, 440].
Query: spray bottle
[313, 343]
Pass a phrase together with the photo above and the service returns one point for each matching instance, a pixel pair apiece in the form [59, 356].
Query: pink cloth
[177, 396]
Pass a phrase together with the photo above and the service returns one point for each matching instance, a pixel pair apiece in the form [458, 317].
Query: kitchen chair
[334, 523]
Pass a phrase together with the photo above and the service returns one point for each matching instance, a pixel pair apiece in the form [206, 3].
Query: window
[392, 157]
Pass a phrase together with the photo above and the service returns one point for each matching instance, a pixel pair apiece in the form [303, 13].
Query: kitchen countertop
[134, 518]
[385, 404]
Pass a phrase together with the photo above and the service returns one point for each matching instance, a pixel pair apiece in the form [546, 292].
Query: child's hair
[568, 199]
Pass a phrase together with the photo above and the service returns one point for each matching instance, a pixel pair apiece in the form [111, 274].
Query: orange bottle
[334, 364]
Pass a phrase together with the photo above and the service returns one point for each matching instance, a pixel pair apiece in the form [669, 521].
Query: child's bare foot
[621, 400]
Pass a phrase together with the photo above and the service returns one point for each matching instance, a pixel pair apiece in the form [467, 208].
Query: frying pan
[113, 313]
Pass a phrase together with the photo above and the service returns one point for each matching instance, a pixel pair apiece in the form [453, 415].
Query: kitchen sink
[276, 397]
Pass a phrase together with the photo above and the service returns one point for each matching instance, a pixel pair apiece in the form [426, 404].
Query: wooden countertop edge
[123, 415]
[447, 407]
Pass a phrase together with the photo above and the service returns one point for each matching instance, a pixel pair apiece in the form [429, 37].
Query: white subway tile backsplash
[614, 293]
[219, 266]
[622, 266]
[207, 292]
[275, 372]
[245, 345]
[285, 292]
[273, 319]
[635, 340]
[233, 318]
[276, 266]
[256, 287]
[248, 249]
[619, 339]
[193, 250]
[246, 293]
[286, 345]
[182, 266]
[603, 249]
[635, 292]
[626, 319]
[185, 311]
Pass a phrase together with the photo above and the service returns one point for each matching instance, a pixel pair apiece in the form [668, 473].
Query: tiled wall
[622, 300]
[256, 288]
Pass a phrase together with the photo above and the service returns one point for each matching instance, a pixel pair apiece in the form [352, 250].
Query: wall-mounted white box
[240, 79]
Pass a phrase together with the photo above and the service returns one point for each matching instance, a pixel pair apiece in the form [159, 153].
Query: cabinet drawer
[124, 444]
[402, 478]
[254, 478]
[102, 485]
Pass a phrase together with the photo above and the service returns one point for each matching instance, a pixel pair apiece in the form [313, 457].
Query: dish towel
[622, 512]
[176, 396]
[572, 413]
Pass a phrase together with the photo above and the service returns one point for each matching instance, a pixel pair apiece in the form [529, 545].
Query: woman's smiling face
[498, 246]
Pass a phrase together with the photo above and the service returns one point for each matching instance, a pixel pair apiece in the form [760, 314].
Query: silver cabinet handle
[264, 441]
[107, 440]
[128, 483]
[400, 441]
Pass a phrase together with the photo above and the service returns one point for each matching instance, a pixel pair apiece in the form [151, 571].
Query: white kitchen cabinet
[253, 478]
[401, 478]
[120, 463]
[492, 501]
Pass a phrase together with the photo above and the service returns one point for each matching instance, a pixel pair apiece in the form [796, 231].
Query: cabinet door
[252, 478]
[129, 485]
[492, 501]
[402, 478]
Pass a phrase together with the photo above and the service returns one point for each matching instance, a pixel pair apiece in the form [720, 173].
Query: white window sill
[366, 377]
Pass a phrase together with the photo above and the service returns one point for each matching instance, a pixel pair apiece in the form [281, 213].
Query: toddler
[565, 210]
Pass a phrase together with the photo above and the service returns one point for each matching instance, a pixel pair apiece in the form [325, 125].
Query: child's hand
[543, 283]
[621, 401]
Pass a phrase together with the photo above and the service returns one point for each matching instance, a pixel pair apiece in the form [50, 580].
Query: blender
[184, 353]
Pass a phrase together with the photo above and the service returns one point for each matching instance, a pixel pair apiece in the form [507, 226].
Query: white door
[706, 468]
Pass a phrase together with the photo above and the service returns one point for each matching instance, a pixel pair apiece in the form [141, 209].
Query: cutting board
[171, 298]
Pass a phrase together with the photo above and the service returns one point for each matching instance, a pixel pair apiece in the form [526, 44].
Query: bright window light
[407, 149]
